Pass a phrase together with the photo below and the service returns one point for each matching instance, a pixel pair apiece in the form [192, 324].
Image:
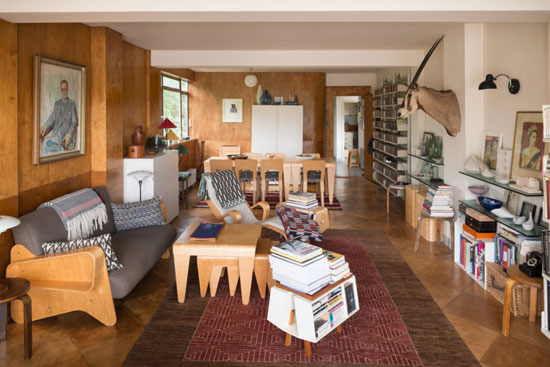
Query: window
[175, 102]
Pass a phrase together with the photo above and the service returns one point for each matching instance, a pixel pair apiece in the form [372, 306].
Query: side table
[12, 289]
[517, 276]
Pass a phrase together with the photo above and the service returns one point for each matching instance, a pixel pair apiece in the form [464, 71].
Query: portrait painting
[529, 147]
[492, 141]
[232, 110]
[59, 98]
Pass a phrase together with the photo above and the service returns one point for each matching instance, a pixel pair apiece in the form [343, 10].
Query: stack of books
[302, 200]
[438, 202]
[300, 266]
[339, 267]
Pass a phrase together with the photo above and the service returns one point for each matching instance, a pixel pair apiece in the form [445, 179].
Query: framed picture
[232, 110]
[504, 162]
[529, 147]
[59, 110]
[526, 208]
[512, 202]
[427, 136]
[492, 141]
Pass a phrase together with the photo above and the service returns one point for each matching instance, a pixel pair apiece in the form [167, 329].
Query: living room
[313, 52]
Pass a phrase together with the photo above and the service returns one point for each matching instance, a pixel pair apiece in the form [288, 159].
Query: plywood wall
[211, 88]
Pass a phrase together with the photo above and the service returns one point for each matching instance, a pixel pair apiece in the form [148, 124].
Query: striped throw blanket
[82, 212]
[226, 188]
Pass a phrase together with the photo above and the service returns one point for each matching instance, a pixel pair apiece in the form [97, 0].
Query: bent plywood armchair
[78, 280]
[61, 283]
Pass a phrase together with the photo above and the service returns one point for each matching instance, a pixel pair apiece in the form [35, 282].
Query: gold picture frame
[528, 150]
[59, 110]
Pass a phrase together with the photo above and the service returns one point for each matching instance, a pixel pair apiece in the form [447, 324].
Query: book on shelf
[472, 256]
[300, 286]
[207, 232]
[350, 297]
[334, 259]
[297, 250]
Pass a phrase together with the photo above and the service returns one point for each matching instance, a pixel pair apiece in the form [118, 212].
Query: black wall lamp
[489, 83]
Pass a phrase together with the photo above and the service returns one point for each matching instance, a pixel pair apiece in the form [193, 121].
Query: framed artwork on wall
[492, 142]
[59, 110]
[529, 147]
[232, 110]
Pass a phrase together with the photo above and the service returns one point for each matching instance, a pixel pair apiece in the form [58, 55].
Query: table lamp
[6, 223]
[172, 135]
[140, 176]
[166, 124]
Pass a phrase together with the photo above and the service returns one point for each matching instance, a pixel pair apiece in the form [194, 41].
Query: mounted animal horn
[442, 106]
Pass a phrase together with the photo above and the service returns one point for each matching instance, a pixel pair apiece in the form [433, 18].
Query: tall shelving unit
[391, 136]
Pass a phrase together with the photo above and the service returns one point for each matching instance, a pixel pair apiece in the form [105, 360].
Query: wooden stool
[353, 153]
[517, 276]
[210, 270]
[391, 187]
[12, 289]
[444, 219]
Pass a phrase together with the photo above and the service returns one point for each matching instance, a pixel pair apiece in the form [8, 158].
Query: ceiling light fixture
[489, 83]
[250, 80]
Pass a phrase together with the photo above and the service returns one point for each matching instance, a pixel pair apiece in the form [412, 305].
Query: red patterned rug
[272, 198]
[230, 331]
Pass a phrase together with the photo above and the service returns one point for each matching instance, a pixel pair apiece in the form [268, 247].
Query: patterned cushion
[103, 241]
[137, 214]
[272, 176]
[299, 225]
[245, 176]
[313, 176]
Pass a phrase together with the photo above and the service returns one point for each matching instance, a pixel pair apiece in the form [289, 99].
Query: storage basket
[496, 280]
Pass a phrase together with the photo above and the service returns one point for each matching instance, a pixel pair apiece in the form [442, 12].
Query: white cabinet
[163, 182]
[277, 129]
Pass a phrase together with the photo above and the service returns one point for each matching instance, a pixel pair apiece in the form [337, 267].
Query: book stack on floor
[300, 266]
[302, 200]
[438, 202]
[339, 267]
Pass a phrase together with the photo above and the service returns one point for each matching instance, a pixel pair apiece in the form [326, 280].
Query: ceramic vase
[530, 224]
[138, 137]
[266, 98]
[259, 95]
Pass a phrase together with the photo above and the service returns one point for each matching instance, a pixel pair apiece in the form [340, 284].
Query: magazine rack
[312, 317]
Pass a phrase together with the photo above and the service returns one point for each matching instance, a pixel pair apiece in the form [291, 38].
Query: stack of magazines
[438, 202]
[302, 200]
[339, 267]
[300, 266]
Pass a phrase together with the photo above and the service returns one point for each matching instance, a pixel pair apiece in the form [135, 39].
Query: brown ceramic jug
[138, 137]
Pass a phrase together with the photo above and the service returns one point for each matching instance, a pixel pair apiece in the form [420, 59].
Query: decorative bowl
[478, 189]
[489, 203]
[502, 180]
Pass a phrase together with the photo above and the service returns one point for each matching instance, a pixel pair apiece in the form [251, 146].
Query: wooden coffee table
[12, 289]
[235, 241]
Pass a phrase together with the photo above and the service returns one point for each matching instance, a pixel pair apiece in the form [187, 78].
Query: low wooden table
[517, 276]
[12, 289]
[234, 241]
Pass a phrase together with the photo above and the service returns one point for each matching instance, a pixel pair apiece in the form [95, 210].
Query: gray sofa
[137, 249]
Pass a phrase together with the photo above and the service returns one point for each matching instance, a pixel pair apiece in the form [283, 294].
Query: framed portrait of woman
[529, 147]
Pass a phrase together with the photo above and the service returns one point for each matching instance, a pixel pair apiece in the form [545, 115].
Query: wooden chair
[229, 149]
[354, 153]
[256, 156]
[275, 156]
[272, 175]
[314, 172]
[247, 173]
[220, 165]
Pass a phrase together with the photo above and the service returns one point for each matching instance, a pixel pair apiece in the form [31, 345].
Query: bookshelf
[391, 136]
[312, 317]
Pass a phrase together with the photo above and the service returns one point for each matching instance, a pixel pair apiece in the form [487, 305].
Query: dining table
[292, 174]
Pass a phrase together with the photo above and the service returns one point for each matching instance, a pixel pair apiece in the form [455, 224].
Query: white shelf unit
[305, 324]
[545, 324]
[391, 137]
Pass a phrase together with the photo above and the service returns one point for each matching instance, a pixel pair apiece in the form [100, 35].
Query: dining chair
[220, 165]
[271, 171]
[229, 149]
[314, 172]
[247, 174]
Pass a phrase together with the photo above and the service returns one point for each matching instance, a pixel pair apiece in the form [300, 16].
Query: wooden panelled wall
[211, 88]
[117, 98]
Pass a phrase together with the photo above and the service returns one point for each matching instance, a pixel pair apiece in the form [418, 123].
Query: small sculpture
[530, 224]
[266, 98]
[138, 137]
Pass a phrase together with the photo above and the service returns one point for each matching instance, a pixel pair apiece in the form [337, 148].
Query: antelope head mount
[441, 105]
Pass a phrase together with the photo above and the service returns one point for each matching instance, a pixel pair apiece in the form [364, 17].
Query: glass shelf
[427, 160]
[507, 222]
[492, 181]
[423, 180]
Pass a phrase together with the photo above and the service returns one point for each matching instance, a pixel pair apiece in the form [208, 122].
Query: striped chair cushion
[245, 176]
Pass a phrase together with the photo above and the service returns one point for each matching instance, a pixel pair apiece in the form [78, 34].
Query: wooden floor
[78, 340]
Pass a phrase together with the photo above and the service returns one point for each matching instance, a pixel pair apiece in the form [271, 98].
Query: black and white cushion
[314, 176]
[245, 176]
[137, 214]
[103, 241]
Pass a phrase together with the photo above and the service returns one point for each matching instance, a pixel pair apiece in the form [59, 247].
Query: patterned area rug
[231, 331]
[398, 324]
[272, 199]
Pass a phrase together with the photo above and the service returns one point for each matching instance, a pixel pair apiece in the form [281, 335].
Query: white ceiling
[281, 35]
